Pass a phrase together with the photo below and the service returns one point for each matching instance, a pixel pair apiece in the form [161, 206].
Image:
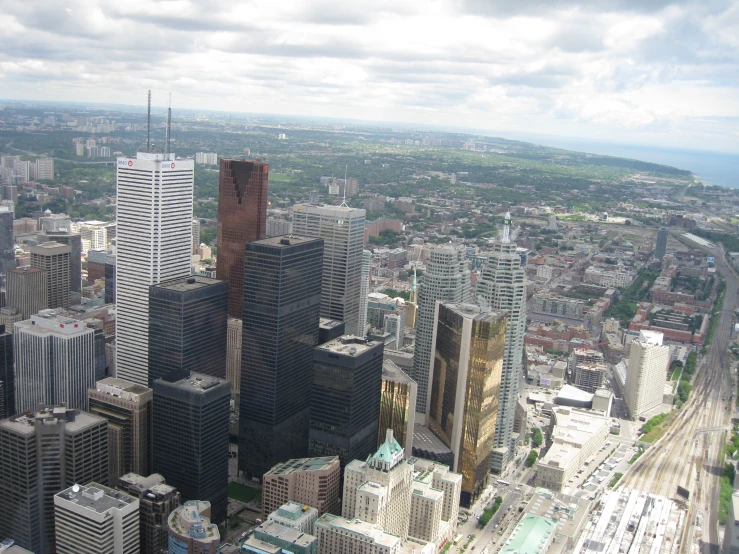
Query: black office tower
[345, 401]
[7, 244]
[75, 257]
[661, 248]
[110, 279]
[282, 303]
[7, 375]
[188, 327]
[191, 421]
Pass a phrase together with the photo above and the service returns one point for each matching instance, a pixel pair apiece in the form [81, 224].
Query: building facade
[397, 406]
[446, 279]
[233, 358]
[190, 529]
[27, 289]
[54, 258]
[313, 482]
[469, 345]
[74, 241]
[649, 360]
[7, 374]
[44, 453]
[129, 409]
[187, 326]
[7, 242]
[154, 244]
[503, 287]
[191, 430]
[242, 218]
[363, 292]
[55, 361]
[345, 399]
[342, 230]
[95, 519]
[282, 299]
[661, 247]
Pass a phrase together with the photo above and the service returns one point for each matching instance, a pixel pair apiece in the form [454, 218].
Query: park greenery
[725, 493]
[652, 423]
[531, 458]
[537, 439]
[488, 513]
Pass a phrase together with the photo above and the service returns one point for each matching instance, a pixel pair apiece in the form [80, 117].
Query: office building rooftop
[348, 345]
[76, 420]
[186, 284]
[303, 464]
[192, 382]
[96, 498]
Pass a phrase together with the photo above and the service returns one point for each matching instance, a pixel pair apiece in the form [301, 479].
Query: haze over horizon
[656, 73]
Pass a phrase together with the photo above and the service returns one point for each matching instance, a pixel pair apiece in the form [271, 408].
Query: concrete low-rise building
[190, 529]
[300, 517]
[289, 539]
[311, 481]
[577, 435]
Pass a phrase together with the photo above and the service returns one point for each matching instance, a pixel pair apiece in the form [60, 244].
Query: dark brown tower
[242, 218]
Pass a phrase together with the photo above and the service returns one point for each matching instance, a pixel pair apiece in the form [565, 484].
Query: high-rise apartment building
[191, 427]
[55, 361]
[95, 519]
[314, 482]
[242, 218]
[661, 247]
[27, 289]
[156, 501]
[54, 258]
[45, 168]
[191, 530]
[74, 241]
[233, 358]
[128, 407]
[7, 374]
[154, 244]
[95, 233]
[503, 287]
[345, 399]
[397, 406]
[364, 292]
[468, 345]
[282, 299]
[7, 242]
[187, 326]
[342, 229]
[447, 279]
[44, 453]
[647, 373]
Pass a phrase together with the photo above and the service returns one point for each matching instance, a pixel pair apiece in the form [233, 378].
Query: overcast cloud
[646, 72]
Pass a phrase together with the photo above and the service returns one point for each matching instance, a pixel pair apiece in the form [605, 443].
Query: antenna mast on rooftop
[169, 121]
[148, 125]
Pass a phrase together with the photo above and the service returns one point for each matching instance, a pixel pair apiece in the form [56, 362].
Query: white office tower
[154, 241]
[342, 229]
[503, 287]
[363, 294]
[647, 373]
[195, 233]
[95, 233]
[447, 278]
[96, 519]
[54, 361]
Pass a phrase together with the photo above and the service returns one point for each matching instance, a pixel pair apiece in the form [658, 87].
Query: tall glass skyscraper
[7, 245]
[154, 244]
[282, 301]
[503, 287]
[363, 292]
[342, 229]
[242, 218]
[446, 279]
[661, 247]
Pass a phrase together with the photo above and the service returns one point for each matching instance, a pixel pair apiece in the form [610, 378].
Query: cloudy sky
[633, 71]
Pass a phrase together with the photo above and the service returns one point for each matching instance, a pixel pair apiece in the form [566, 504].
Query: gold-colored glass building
[397, 406]
[468, 346]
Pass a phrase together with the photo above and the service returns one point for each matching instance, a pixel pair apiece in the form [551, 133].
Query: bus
[501, 482]
[457, 539]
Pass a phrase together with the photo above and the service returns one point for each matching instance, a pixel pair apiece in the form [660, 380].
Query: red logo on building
[172, 166]
[130, 163]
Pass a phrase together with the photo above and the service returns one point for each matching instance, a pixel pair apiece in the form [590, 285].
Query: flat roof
[304, 464]
[184, 284]
[287, 534]
[96, 498]
[24, 425]
[391, 372]
[196, 382]
[277, 242]
[531, 535]
[348, 345]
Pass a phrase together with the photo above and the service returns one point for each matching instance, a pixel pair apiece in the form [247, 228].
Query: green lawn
[242, 493]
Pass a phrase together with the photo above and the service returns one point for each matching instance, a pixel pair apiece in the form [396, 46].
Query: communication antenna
[169, 121]
[148, 125]
[346, 182]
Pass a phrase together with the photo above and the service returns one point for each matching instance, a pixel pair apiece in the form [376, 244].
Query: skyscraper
[345, 399]
[95, 519]
[342, 229]
[110, 279]
[312, 481]
[233, 358]
[129, 409]
[397, 406]
[282, 299]
[468, 344]
[55, 361]
[54, 258]
[447, 279]
[27, 289]
[7, 375]
[154, 244]
[242, 218]
[74, 241]
[7, 244]
[363, 292]
[195, 232]
[44, 453]
[187, 326]
[156, 501]
[661, 248]
[503, 287]
[191, 426]
[647, 373]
